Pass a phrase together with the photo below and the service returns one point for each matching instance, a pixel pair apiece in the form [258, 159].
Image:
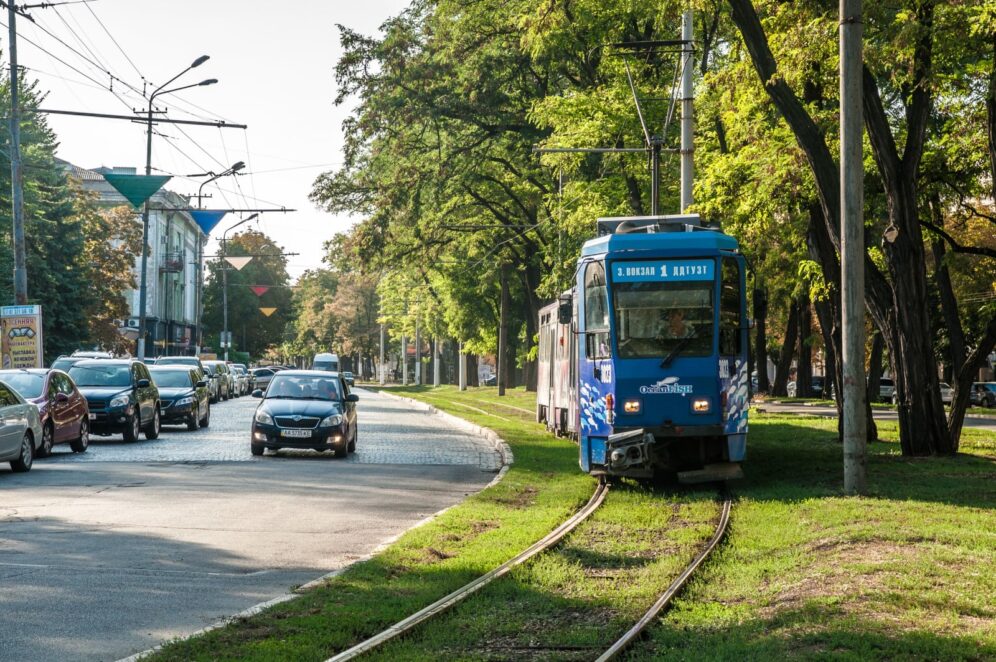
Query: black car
[305, 409]
[184, 396]
[121, 395]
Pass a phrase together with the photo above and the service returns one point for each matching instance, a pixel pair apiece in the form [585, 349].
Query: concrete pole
[463, 369]
[16, 175]
[435, 362]
[404, 360]
[418, 354]
[687, 139]
[852, 247]
[383, 364]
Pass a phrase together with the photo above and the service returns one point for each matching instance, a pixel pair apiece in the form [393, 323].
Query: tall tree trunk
[503, 353]
[804, 368]
[531, 281]
[899, 308]
[788, 349]
[472, 378]
[875, 367]
[761, 338]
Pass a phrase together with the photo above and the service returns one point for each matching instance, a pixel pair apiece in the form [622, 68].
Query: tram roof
[662, 244]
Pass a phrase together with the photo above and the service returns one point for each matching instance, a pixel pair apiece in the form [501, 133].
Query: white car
[20, 430]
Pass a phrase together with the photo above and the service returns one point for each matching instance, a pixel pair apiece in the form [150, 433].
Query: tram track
[443, 604]
[547, 543]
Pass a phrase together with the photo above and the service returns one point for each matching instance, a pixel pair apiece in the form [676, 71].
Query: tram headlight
[632, 406]
[700, 406]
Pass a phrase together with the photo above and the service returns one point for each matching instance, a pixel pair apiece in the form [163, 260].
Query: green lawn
[907, 572]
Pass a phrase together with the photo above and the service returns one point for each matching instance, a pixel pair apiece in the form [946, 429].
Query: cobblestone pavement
[390, 432]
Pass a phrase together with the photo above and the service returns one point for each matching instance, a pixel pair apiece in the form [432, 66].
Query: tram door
[733, 355]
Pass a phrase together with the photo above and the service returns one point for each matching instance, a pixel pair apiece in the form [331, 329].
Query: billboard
[21, 344]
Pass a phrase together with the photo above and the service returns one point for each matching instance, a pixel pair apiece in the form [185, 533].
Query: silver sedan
[20, 430]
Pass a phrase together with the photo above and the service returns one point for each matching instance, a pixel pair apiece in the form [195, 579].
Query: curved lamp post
[224, 280]
[143, 287]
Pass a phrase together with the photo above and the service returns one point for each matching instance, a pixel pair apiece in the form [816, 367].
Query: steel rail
[665, 600]
[467, 590]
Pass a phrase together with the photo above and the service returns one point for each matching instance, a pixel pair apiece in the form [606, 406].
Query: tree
[252, 330]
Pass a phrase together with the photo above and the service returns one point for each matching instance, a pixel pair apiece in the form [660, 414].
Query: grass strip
[540, 490]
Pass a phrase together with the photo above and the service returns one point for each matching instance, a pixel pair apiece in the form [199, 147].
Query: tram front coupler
[629, 450]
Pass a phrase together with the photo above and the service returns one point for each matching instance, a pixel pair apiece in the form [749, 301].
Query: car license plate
[93, 417]
[295, 433]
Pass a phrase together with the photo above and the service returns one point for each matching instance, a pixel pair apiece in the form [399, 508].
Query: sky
[274, 62]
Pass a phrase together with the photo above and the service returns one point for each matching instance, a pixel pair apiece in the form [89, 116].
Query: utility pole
[16, 176]
[435, 361]
[418, 354]
[383, 365]
[687, 138]
[404, 360]
[463, 369]
[852, 251]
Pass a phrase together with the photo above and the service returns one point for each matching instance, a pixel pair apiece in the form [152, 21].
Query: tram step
[711, 473]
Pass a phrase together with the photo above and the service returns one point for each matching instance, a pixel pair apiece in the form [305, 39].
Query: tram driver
[675, 327]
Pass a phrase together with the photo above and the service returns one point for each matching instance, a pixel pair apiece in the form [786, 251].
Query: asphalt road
[979, 422]
[111, 552]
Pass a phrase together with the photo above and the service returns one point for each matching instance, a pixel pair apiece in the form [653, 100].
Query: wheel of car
[27, 457]
[256, 450]
[193, 421]
[134, 428]
[80, 444]
[206, 421]
[48, 437]
[152, 429]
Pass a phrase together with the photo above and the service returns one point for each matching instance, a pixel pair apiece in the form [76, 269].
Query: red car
[62, 409]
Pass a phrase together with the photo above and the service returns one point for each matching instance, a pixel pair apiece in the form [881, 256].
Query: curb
[501, 447]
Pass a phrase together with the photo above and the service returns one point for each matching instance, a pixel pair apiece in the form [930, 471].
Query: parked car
[261, 377]
[64, 363]
[983, 394]
[887, 390]
[21, 431]
[348, 378]
[250, 382]
[121, 396]
[241, 378]
[184, 396]
[490, 381]
[192, 361]
[305, 409]
[947, 393]
[62, 409]
[218, 371]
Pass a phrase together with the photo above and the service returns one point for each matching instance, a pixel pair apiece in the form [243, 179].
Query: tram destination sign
[662, 270]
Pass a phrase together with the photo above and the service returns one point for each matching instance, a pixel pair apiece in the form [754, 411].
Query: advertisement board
[21, 345]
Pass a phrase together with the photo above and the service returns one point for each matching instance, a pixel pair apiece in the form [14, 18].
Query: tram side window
[596, 312]
[729, 309]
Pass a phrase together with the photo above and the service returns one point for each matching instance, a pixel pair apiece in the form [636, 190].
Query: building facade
[173, 277]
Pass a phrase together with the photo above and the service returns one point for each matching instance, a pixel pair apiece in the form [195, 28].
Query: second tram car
[644, 361]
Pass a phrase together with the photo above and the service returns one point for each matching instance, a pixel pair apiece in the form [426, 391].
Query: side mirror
[61, 397]
[143, 383]
[565, 310]
[352, 397]
[258, 393]
[201, 384]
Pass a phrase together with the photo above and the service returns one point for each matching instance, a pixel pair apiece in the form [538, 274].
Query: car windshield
[177, 360]
[105, 375]
[29, 385]
[303, 387]
[172, 378]
[653, 318]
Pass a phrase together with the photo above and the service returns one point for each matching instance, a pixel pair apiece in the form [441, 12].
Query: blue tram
[653, 342]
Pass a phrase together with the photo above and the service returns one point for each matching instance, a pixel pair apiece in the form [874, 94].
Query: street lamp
[224, 282]
[143, 287]
[233, 169]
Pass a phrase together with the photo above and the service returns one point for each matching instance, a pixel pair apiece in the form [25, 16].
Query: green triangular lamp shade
[137, 188]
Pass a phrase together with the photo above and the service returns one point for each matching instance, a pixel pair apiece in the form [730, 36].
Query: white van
[329, 362]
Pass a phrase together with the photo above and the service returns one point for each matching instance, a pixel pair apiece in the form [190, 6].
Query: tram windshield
[652, 318]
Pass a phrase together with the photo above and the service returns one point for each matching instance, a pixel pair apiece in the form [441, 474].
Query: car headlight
[119, 401]
[264, 418]
[189, 400]
[329, 421]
